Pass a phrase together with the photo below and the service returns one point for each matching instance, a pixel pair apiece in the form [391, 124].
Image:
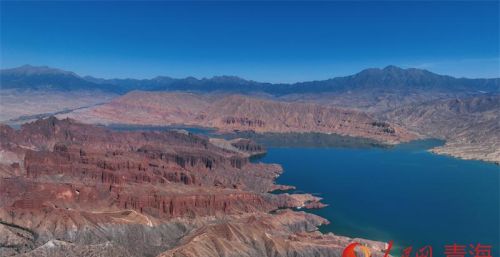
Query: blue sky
[264, 41]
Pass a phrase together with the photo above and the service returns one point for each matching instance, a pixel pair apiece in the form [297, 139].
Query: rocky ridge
[73, 189]
[240, 113]
[470, 126]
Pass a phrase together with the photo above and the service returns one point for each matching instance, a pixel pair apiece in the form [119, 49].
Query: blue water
[405, 193]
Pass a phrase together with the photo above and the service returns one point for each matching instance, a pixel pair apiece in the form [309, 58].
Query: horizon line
[240, 77]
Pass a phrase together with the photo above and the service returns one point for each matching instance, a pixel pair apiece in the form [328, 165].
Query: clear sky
[264, 41]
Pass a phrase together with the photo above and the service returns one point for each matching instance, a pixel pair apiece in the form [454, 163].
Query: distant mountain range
[388, 78]
[43, 77]
[462, 111]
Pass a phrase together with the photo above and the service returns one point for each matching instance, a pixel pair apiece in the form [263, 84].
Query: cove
[402, 193]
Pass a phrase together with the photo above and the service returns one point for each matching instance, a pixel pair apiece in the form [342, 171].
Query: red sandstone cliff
[72, 189]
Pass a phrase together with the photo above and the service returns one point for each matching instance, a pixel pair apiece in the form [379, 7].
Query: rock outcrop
[70, 189]
[240, 113]
[470, 126]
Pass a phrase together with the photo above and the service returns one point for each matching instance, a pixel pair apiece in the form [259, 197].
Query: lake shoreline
[294, 139]
[371, 175]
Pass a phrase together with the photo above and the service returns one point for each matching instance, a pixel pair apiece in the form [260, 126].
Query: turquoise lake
[404, 193]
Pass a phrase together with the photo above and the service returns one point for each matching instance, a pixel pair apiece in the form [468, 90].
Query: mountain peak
[163, 78]
[28, 69]
[393, 68]
[227, 79]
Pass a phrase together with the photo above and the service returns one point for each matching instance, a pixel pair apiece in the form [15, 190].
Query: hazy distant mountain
[43, 77]
[163, 83]
[395, 78]
[388, 79]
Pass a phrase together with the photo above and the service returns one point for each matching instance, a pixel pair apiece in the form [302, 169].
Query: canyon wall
[70, 189]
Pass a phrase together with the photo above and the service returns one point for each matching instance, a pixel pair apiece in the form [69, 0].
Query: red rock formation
[70, 187]
[242, 113]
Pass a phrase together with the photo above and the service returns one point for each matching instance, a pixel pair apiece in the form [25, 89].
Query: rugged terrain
[70, 189]
[368, 104]
[240, 113]
[20, 106]
[470, 126]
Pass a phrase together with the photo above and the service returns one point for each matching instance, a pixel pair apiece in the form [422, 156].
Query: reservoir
[402, 193]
